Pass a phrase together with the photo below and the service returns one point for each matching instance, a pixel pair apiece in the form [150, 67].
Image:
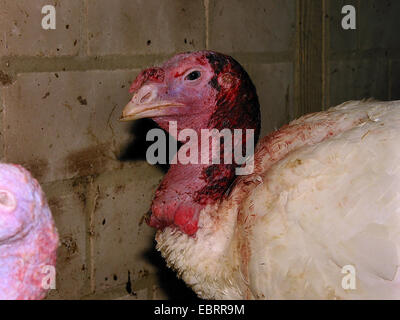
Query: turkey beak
[146, 104]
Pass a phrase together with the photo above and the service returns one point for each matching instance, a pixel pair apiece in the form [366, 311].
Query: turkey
[323, 196]
[28, 237]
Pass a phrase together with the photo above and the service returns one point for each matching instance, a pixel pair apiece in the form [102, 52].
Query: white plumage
[325, 193]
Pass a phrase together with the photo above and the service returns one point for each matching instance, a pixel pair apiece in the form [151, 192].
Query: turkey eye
[193, 75]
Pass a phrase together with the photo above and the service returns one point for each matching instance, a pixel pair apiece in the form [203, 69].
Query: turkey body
[318, 217]
[324, 194]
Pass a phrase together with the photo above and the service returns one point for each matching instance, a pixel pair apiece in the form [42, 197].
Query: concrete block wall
[363, 63]
[62, 92]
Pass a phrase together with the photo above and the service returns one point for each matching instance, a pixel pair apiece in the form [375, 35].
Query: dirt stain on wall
[37, 167]
[5, 79]
[88, 161]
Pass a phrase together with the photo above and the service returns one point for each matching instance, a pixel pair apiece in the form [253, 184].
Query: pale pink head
[28, 237]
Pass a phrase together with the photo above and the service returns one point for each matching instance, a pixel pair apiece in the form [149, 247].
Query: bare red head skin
[198, 90]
